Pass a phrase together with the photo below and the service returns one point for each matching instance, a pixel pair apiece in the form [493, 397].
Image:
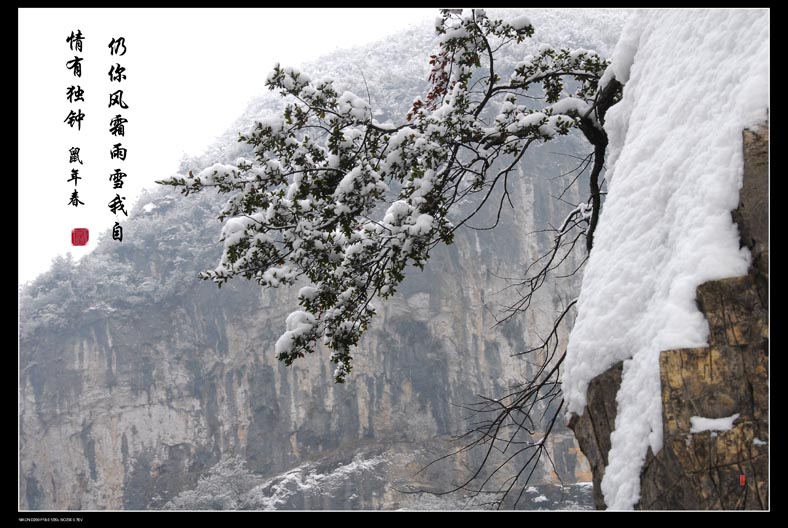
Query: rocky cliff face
[142, 387]
[708, 469]
[125, 402]
[137, 379]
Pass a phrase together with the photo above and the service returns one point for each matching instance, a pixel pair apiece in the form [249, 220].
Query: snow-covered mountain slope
[136, 379]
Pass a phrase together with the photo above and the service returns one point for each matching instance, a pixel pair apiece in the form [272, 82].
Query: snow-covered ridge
[694, 80]
[229, 485]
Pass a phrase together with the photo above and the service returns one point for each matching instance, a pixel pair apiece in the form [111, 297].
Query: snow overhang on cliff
[694, 79]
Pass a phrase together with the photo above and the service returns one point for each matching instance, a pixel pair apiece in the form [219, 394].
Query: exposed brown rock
[592, 429]
[752, 215]
[703, 470]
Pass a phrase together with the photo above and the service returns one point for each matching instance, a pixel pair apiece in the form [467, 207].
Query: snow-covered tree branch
[343, 202]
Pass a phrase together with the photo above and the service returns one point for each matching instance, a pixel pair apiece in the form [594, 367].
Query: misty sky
[190, 74]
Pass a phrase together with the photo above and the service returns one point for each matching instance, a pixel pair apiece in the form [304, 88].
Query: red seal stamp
[79, 236]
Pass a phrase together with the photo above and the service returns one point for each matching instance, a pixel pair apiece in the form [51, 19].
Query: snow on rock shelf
[697, 79]
[701, 424]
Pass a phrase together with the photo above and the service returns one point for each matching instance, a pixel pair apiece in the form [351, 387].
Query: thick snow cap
[693, 80]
